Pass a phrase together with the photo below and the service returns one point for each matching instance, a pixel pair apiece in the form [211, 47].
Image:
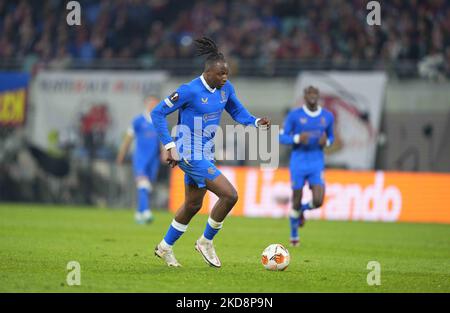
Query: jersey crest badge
[303, 120]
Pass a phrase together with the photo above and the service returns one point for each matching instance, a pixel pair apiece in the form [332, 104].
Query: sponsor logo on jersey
[205, 100]
[211, 116]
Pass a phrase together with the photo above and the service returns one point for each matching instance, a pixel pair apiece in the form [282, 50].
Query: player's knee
[193, 206]
[231, 197]
[143, 183]
[234, 198]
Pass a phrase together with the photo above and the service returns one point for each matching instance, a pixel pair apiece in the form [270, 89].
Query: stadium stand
[313, 34]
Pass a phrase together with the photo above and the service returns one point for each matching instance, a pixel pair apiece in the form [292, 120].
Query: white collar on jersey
[312, 113]
[147, 116]
[206, 84]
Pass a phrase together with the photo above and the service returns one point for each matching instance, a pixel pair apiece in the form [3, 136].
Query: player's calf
[316, 203]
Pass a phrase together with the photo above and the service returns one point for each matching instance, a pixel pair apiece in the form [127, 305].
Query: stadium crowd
[263, 30]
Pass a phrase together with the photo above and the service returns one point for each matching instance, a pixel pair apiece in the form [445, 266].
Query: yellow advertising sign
[12, 107]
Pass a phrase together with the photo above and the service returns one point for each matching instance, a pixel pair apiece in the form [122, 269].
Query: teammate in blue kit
[308, 129]
[146, 158]
[200, 104]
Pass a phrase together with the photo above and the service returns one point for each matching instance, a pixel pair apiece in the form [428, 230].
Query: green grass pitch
[116, 255]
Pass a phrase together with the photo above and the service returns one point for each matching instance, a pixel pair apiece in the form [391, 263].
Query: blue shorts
[197, 171]
[299, 177]
[147, 168]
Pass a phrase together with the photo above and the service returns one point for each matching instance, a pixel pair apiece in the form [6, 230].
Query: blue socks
[143, 200]
[144, 186]
[174, 232]
[294, 222]
[212, 228]
[177, 229]
[294, 219]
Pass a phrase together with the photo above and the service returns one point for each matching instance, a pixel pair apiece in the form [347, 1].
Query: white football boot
[167, 255]
[147, 217]
[138, 218]
[206, 249]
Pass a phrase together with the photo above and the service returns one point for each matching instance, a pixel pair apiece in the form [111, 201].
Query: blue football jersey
[200, 109]
[302, 120]
[147, 141]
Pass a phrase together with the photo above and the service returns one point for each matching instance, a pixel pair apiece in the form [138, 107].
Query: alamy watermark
[238, 141]
[74, 15]
[374, 16]
[374, 276]
[73, 278]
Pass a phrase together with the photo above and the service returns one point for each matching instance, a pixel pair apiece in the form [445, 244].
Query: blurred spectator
[260, 30]
[432, 67]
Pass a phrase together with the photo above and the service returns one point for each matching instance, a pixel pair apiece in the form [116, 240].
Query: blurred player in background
[146, 158]
[308, 129]
[200, 102]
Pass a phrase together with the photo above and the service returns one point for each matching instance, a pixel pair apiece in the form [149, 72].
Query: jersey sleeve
[236, 109]
[330, 131]
[176, 100]
[287, 132]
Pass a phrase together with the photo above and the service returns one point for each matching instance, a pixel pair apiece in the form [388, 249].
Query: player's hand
[264, 123]
[323, 140]
[172, 157]
[302, 138]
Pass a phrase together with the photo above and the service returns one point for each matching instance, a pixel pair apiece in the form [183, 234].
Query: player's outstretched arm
[124, 147]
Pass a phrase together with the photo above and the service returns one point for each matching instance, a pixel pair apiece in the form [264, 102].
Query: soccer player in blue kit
[308, 129]
[146, 158]
[200, 104]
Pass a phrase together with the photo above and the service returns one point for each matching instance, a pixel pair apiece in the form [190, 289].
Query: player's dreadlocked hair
[207, 46]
